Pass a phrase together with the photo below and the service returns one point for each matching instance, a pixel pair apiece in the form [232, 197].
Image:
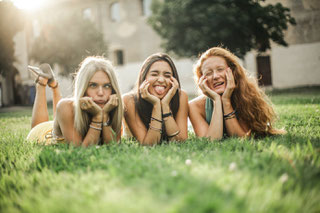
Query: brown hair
[252, 105]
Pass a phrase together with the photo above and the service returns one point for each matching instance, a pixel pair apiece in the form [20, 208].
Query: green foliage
[11, 22]
[66, 39]
[190, 27]
[274, 174]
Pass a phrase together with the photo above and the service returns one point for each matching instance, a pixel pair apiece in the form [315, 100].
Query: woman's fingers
[84, 103]
[230, 79]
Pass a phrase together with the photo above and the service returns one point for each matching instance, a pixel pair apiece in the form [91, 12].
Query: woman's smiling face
[159, 77]
[215, 69]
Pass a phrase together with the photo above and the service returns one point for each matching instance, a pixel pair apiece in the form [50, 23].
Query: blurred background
[276, 41]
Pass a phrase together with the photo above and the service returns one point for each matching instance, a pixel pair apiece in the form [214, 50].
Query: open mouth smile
[218, 84]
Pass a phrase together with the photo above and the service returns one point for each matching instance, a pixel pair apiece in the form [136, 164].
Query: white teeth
[218, 84]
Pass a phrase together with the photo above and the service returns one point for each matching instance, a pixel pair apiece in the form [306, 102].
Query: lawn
[274, 174]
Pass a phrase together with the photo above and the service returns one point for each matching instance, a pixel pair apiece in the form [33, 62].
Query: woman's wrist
[165, 108]
[98, 117]
[226, 101]
[157, 103]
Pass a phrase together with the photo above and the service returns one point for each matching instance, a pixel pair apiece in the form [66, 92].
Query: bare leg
[56, 96]
[40, 109]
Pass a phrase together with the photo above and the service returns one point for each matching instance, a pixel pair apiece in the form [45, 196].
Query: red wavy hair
[252, 105]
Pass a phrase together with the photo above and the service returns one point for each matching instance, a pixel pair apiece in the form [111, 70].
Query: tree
[66, 39]
[11, 22]
[189, 27]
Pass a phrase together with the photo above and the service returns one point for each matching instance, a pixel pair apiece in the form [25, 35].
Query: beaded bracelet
[230, 114]
[229, 117]
[96, 128]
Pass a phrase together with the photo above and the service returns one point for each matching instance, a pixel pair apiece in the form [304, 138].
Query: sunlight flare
[29, 4]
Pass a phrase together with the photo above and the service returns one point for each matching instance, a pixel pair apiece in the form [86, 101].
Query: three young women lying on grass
[232, 104]
[92, 116]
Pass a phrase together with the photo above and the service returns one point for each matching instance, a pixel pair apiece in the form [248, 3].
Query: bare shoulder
[183, 94]
[128, 98]
[128, 101]
[65, 106]
[198, 102]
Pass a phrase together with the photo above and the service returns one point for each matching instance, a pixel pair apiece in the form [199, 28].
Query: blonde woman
[92, 116]
[232, 104]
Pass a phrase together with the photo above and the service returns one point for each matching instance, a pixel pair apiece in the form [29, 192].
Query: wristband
[167, 115]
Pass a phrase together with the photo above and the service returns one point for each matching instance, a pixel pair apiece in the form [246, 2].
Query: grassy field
[274, 174]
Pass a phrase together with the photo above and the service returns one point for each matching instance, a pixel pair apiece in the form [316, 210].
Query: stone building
[131, 40]
[298, 64]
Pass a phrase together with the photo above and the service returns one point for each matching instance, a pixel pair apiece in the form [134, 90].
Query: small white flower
[57, 151]
[97, 147]
[284, 177]
[188, 162]
[232, 166]
[174, 173]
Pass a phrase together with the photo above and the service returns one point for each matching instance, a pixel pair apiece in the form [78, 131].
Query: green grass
[274, 174]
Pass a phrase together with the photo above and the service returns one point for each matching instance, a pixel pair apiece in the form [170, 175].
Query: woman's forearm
[215, 130]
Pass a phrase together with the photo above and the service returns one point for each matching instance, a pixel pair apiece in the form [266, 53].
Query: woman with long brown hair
[158, 109]
[232, 103]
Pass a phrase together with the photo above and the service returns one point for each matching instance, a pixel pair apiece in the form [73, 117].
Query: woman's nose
[161, 79]
[100, 90]
[215, 75]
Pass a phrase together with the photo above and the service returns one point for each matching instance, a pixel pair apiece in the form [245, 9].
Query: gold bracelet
[174, 134]
[230, 117]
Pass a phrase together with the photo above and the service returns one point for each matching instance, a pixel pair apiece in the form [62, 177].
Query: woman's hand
[146, 95]
[88, 105]
[174, 87]
[203, 85]
[230, 85]
[111, 104]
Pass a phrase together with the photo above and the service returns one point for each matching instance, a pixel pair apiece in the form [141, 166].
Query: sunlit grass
[274, 174]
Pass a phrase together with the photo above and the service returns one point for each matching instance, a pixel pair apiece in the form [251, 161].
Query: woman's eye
[107, 86]
[167, 76]
[93, 85]
[220, 69]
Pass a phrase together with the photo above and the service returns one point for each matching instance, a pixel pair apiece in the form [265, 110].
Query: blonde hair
[88, 68]
[252, 104]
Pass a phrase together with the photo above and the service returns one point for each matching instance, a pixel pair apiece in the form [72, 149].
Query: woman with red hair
[232, 104]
